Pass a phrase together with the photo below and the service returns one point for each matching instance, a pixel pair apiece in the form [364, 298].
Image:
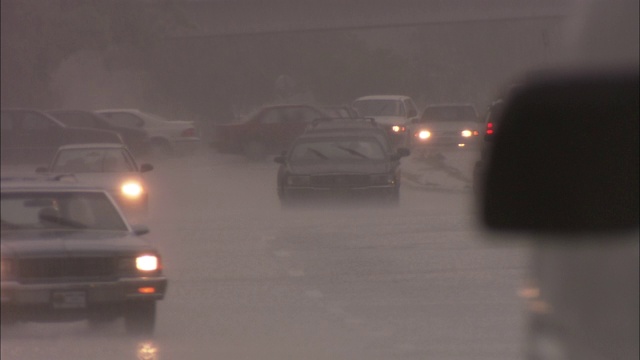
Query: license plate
[69, 299]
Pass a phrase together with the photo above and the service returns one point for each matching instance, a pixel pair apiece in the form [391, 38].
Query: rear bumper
[346, 193]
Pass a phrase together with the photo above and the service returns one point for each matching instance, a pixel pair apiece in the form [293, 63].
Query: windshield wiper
[352, 152]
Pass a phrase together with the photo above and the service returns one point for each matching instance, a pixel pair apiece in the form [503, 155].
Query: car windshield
[59, 211]
[449, 113]
[92, 160]
[379, 108]
[337, 150]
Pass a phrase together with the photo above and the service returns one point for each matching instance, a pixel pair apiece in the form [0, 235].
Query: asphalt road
[248, 280]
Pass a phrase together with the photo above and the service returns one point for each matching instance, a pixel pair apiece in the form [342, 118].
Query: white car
[446, 125]
[167, 137]
[108, 166]
[394, 112]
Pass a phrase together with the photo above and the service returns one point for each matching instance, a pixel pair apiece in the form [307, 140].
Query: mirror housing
[146, 168]
[564, 158]
[140, 229]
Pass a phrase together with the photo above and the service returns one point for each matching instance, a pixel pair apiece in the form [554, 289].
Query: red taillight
[489, 128]
[190, 132]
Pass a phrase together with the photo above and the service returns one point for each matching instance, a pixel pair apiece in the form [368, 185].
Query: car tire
[254, 150]
[140, 317]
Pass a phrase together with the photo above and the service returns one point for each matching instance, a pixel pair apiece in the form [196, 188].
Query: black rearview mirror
[564, 156]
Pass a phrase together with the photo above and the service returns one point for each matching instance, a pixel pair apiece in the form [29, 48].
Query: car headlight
[398, 128]
[299, 180]
[147, 263]
[466, 133]
[131, 189]
[423, 134]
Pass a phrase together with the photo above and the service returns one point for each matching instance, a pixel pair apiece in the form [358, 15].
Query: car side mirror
[139, 229]
[146, 168]
[565, 157]
[41, 170]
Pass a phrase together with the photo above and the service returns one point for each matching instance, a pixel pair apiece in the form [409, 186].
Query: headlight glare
[147, 263]
[131, 189]
[424, 134]
[466, 133]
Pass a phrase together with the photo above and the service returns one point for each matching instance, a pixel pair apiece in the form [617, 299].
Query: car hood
[448, 126]
[360, 167]
[28, 243]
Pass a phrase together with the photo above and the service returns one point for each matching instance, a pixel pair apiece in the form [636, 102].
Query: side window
[271, 116]
[401, 110]
[35, 122]
[411, 108]
[123, 119]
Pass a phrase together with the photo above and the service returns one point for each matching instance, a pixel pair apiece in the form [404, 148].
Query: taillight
[489, 128]
[190, 132]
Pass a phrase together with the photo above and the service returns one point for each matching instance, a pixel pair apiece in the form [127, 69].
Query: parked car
[269, 130]
[31, 136]
[394, 112]
[109, 166]
[68, 254]
[330, 166]
[446, 125]
[167, 137]
[137, 140]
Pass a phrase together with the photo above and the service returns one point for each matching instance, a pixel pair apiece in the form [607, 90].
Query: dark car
[269, 130]
[338, 167]
[137, 140]
[69, 254]
[446, 125]
[33, 136]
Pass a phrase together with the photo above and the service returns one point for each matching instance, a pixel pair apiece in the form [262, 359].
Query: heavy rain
[249, 274]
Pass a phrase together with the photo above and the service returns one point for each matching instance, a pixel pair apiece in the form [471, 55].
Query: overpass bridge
[214, 18]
